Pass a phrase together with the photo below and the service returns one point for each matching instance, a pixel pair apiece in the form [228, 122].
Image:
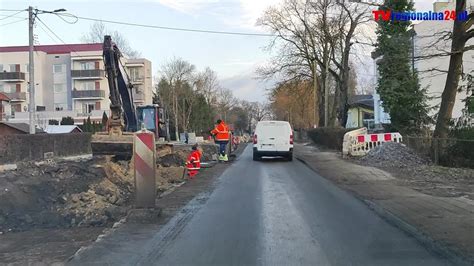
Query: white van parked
[273, 138]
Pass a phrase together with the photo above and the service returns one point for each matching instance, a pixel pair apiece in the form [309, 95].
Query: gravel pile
[392, 154]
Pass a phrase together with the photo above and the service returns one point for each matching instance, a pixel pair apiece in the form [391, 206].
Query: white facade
[70, 81]
[432, 70]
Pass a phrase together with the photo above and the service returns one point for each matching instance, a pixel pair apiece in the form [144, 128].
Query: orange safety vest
[194, 161]
[221, 132]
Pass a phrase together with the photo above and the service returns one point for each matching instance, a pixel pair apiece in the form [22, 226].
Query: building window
[88, 108]
[59, 88]
[12, 67]
[5, 88]
[60, 106]
[58, 68]
[1, 67]
[87, 65]
[88, 86]
[134, 73]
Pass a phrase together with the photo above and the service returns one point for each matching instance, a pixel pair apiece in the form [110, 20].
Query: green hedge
[328, 137]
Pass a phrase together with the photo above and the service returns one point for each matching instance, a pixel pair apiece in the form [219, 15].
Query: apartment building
[69, 81]
[139, 72]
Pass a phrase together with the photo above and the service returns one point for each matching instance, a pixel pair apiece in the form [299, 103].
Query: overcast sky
[233, 57]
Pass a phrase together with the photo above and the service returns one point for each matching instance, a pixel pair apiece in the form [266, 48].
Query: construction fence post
[144, 158]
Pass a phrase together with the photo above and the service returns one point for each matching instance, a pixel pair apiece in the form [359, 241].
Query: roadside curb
[391, 218]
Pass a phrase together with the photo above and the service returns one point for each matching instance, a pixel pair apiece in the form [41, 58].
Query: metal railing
[12, 76]
[16, 96]
[89, 73]
[88, 94]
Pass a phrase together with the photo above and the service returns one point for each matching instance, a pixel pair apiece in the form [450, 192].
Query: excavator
[125, 117]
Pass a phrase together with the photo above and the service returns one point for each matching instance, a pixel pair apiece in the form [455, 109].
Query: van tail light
[254, 139]
[291, 138]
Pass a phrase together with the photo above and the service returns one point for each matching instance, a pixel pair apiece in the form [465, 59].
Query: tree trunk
[454, 73]
[343, 102]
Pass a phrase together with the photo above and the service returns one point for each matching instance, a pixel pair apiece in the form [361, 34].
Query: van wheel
[256, 157]
[289, 157]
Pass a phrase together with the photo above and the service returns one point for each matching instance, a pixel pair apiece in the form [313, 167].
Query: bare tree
[178, 73]
[208, 85]
[225, 102]
[463, 31]
[311, 35]
[97, 32]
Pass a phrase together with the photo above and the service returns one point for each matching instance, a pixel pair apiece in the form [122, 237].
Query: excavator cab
[152, 118]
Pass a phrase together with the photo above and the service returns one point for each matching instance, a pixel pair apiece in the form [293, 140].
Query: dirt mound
[172, 159]
[86, 193]
[34, 195]
[392, 154]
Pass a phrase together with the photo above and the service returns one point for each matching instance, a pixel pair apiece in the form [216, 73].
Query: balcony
[88, 94]
[12, 76]
[138, 80]
[16, 96]
[87, 74]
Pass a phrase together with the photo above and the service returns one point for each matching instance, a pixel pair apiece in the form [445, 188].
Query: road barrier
[359, 143]
[144, 158]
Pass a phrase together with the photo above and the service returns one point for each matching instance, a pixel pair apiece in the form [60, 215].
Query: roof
[3, 97]
[59, 129]
[24, 127]
[55, 49]
[365, 100]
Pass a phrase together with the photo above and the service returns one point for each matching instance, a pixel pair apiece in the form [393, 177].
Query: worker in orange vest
[221, 133]
[193, 163]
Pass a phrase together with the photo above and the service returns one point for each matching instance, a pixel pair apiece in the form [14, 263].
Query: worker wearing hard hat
[221, 133]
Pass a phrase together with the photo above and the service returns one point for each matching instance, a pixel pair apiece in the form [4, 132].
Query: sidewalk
[444, 224]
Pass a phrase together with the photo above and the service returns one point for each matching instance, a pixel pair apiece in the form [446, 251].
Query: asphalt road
[274, 213]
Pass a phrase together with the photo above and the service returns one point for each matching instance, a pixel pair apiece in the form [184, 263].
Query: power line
[171, 28]
[16, 21]
[59, 38]
[14, 14]
[9, 10]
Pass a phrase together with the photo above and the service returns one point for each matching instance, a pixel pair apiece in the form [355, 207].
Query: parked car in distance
[273, 138]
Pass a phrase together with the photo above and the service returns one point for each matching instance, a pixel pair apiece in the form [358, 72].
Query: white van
[273, 138]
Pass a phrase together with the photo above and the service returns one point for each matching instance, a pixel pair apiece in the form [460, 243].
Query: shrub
[328, 137]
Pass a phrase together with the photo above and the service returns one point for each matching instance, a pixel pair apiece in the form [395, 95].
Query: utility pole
[32, 106]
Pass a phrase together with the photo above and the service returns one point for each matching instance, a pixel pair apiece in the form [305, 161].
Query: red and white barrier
[359, 143]
[144, 153]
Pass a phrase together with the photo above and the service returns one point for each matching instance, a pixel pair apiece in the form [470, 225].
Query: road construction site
[50, 208]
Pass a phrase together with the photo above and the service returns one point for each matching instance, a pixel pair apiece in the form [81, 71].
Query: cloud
[245, 86]
[188, 6]
[240, 14]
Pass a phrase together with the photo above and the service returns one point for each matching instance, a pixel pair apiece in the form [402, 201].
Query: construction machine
[125, 117]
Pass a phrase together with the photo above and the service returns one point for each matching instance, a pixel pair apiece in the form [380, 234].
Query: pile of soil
[419, 173]
[172, 159]
[393, 154]
[73, 194]
[62, 194]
